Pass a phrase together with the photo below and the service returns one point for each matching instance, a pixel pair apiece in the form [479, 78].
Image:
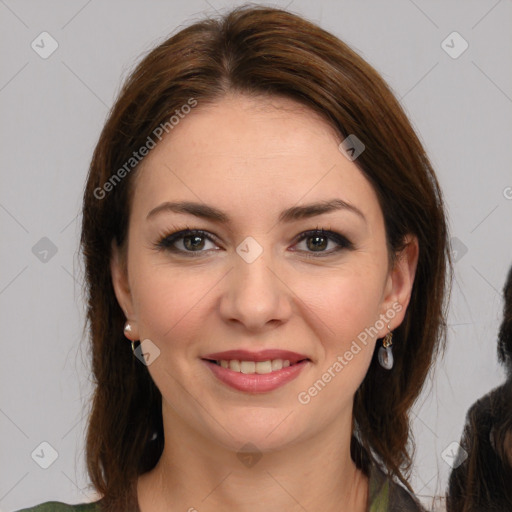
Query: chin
[256, 431]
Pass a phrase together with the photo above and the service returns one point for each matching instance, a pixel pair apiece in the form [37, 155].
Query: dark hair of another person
[505, 333]
[261, 52]
[483, 481]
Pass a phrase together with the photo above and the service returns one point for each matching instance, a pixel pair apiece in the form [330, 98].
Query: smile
[256, 372]
[250, 367]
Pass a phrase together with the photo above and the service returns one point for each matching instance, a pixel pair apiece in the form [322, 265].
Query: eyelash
[166, 241]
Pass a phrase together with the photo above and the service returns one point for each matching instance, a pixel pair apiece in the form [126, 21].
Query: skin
[252, 158]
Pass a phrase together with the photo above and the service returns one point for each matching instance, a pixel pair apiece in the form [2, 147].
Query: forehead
[253, 152]
[238, 127]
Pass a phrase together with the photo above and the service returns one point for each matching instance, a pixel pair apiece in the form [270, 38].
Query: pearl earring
[127, 328]
[385, 354]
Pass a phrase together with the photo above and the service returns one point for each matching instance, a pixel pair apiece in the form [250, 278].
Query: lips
[251, 372]
[263, 355]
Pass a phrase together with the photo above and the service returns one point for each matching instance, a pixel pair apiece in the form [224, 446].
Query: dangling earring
[386, 352]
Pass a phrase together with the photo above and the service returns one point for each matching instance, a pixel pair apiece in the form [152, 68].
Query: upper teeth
[259, 367]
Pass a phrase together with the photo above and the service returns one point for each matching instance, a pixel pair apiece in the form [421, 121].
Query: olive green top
[384, 495]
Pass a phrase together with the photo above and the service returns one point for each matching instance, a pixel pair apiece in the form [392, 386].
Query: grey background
[52, 112]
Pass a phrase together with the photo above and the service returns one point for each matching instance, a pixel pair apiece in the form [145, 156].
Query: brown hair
[261, 51]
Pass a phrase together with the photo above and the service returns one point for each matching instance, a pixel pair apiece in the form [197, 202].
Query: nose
[256, 295]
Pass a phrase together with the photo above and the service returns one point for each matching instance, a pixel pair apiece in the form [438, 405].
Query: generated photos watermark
[137, 156]
[304, 397]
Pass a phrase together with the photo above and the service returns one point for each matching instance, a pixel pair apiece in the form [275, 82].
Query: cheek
[344, 312]
[341, 308]
[170, 304]
[346, 301]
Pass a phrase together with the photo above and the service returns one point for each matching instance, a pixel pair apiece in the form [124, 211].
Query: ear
[119, 272]
[400, 282]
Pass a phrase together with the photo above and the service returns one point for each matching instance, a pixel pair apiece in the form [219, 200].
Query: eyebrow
[289, 215]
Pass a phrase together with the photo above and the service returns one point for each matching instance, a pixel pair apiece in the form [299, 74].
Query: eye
[318, 240]
[187, 242]
[194, 242]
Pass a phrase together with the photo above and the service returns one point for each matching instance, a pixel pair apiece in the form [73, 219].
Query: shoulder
[58, 506]
[386, 495]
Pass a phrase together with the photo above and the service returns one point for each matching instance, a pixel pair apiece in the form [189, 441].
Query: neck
[195, 473]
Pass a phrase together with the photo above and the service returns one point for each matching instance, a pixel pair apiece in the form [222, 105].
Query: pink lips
[262, 355]
[256, 383]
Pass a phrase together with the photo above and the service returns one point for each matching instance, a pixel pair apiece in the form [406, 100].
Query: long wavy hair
[260, 51]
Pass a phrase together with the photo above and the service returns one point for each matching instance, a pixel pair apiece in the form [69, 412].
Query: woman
[266, 261]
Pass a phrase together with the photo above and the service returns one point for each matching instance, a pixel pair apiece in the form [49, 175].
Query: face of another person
[266, 284]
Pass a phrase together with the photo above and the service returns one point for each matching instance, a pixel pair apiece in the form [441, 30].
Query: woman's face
[253, 279]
